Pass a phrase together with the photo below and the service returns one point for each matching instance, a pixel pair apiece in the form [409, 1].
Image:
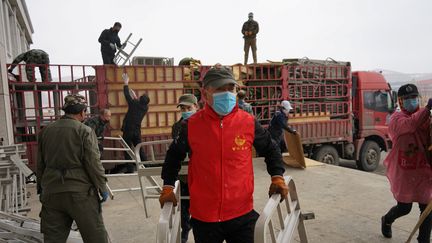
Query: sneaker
[386, 228]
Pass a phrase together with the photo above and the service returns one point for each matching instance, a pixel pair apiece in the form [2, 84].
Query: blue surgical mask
[186, 114]
[224, 102]
[411, 105]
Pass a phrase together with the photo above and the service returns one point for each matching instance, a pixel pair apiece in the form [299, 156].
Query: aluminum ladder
[286, 226]
[127, 149]
[122, 57]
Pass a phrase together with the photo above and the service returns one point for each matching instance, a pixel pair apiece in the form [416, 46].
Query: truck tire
[370, 156]
[326, 154]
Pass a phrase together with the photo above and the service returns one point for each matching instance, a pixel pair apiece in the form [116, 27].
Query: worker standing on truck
[408, 168]
[131, 127]
[33, 58]
[249, 30]
[110, 41]
[188, 104]
[219, 140]
[99, 124]
[279, 122]
[242, 104]
[70, 177]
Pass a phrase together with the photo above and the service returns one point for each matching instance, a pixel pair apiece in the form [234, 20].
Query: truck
[338, 113]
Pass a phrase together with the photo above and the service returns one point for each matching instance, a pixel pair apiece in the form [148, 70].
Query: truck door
[377, 106]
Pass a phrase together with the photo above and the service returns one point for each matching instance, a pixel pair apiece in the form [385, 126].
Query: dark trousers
[108, 58]
[185, 216]
[132, 137]
[402, 209]
[250, 44]
[237, 230]
[59, 210]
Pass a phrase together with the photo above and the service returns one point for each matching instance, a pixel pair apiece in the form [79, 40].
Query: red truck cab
[373, 103]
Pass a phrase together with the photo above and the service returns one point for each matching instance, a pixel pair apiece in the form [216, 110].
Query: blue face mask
[411, 105]
[224, 102]
[185, 115]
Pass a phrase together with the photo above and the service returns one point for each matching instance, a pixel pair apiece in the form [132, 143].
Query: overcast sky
[388, 34]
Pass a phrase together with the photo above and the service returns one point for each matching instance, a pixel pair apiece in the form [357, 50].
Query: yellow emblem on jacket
[239, 143]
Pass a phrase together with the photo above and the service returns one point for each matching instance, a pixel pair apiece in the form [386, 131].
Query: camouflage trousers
[44, 72]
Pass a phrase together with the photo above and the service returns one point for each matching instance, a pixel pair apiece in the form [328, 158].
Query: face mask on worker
[411, 105]
[186, 114]
[224, 102]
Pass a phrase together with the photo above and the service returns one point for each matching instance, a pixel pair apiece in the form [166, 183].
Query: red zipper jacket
[220, 175]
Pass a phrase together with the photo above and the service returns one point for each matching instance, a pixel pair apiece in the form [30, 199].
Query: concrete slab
[347, 203]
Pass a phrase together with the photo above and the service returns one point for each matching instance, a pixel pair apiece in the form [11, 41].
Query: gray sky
[388, 34]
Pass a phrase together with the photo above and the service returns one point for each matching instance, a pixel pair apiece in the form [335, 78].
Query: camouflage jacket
[68, 158]
[34, 56]
[97, 125]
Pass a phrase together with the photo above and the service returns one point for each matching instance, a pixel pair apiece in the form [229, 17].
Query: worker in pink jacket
[408, 167]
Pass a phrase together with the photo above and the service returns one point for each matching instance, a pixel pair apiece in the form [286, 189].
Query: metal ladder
[286, 224]
[126, 149]
[122, 57]
[151, 169]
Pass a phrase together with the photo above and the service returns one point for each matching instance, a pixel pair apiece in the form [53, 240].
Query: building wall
[15, 37]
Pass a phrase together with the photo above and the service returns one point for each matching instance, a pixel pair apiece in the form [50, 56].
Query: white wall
[15, 37]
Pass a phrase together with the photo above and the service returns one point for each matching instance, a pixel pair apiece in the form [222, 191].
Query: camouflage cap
[218, 76]
[74, 99]
[187, 99]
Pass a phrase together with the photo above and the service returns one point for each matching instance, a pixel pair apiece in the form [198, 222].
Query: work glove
[125, 78]
[429, 104]
[167, 195]
[112, 45]
[104, 196]
[278, 186]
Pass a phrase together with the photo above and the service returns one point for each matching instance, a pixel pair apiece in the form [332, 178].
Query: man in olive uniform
[33, 58]
[250, 30]
[98, 124]
[70, 177]
[188, 104]
[109, 39]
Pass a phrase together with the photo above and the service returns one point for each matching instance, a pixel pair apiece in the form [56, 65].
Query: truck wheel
[327, 154]
[370, 155]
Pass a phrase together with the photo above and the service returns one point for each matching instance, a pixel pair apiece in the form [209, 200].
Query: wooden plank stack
[13, 175]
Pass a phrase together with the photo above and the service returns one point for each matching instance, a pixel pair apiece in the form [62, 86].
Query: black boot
[386, 228]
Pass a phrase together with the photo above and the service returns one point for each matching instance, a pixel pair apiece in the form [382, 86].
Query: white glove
[125, 78]
[112, 45]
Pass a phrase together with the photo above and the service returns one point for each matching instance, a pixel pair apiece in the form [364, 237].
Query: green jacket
[97, 125]
[68, 158]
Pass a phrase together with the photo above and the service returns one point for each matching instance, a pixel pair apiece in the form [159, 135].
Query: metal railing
[285, 227]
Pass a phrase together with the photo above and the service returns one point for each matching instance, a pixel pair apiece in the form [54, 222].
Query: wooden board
[295, 150]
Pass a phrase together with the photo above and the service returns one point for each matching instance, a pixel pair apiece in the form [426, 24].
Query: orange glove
[278, 186]
[167, 195]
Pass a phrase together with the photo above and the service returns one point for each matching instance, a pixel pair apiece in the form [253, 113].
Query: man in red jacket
[219, 140]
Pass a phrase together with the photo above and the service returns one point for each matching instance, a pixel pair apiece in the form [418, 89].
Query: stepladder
[124, 53]
[126, 149]
[279, 220]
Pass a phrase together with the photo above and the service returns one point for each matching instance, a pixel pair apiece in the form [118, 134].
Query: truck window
[376, 100]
